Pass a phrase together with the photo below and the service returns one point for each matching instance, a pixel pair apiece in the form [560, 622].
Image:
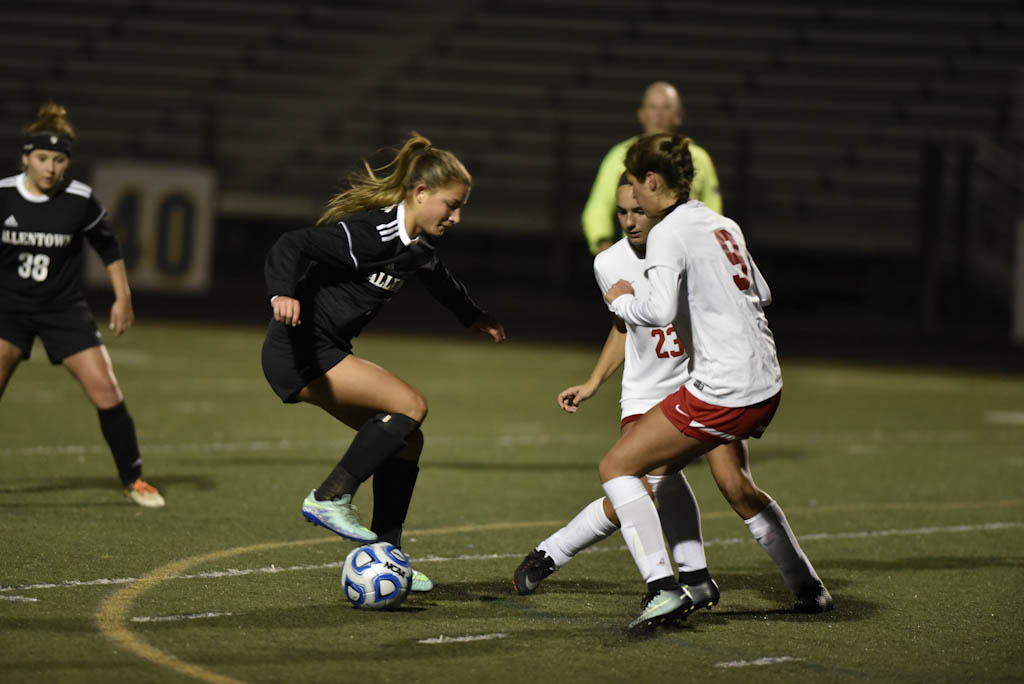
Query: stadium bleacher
[815, 113]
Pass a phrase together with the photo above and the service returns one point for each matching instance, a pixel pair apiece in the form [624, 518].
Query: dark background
[871, 151]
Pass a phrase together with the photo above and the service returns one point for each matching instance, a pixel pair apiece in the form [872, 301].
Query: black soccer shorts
[293, 357]
[63, 331]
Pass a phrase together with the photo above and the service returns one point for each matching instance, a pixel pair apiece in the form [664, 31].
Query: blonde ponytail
[417, 162]
[51, 118]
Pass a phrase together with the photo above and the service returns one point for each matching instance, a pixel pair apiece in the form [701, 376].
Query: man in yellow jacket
[661, 111]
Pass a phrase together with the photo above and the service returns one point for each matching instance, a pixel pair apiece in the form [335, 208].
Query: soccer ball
[376, 576]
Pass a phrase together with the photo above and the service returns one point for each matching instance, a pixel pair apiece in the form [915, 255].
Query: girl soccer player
[326, 284]
[701, 280]
[656, 365]
[45, 218]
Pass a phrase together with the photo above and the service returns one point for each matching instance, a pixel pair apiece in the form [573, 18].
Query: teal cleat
[661, 606]
[339, 516]
[420, 582]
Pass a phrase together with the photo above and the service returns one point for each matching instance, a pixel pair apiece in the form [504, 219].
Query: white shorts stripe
[713, 431]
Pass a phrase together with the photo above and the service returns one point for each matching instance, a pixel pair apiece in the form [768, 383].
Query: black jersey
[41, 243]
[344, 273]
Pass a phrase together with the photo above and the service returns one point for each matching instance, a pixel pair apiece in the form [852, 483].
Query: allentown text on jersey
[31, 239]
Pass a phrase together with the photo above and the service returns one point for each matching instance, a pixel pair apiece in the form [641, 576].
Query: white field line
[470, 637]
[1005, 417]
[25, 599]
[175, 618]
[274, 569]
[519, 439]
[769, 660]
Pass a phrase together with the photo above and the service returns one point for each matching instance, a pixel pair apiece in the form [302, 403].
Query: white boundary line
[516, 439]
[469, 637]
[274, 569]
[768, 660]
[175, 618]
[1005, 417]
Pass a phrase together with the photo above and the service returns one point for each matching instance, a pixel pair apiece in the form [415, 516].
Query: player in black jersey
[326, 283]
[46, 219]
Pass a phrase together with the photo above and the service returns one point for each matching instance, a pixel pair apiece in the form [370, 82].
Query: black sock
[377, 441]
[339, 483]
[393, 484]
[694, 576]
[119, 430]
[662, 583]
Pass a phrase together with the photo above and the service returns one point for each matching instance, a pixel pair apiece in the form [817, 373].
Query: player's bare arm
[612, 356]
[122, 315]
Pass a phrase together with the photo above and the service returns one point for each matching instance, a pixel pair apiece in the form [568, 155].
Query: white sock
[641, 527]
[589, 526]
[771, 530]
[680, 519]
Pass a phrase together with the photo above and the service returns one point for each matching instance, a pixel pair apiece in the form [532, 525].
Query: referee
[661, 111]
[46, 218]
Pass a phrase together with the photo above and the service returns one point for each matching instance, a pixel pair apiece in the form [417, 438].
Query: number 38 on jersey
[34, 266]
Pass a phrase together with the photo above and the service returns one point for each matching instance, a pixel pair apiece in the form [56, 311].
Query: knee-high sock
[680, 519]
[393, 484]
[641, 527]
[379, 439]
[119, 430]
[771, 530]
[589, 526]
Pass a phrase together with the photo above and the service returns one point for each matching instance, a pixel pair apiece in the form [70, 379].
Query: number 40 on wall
[163, 216]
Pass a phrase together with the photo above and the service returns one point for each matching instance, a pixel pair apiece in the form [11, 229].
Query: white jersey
[702, 280]
[656, 362]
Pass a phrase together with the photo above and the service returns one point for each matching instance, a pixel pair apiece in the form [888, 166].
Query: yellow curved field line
[113, 617]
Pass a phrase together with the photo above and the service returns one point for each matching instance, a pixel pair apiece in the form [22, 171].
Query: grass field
[906, 487]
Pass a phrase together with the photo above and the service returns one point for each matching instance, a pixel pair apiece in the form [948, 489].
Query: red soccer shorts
[719, 424]
[630, 419]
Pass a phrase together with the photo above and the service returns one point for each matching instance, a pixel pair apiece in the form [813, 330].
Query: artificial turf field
[904, 486]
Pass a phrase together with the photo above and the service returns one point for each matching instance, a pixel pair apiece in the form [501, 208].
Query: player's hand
[286, 310]
[571, 397]
[121, 315]
[618, 289]
[490, 326]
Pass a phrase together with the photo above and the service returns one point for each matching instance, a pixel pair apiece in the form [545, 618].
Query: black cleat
[535, 567]
[814, 599]
[705, 594]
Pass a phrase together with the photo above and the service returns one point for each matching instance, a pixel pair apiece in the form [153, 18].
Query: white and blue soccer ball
[376, 576]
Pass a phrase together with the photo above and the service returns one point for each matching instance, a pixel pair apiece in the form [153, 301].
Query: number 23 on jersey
[667, 335]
